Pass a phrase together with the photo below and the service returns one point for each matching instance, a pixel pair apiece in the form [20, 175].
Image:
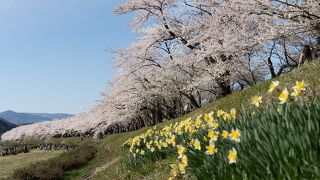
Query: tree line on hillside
[5, 126]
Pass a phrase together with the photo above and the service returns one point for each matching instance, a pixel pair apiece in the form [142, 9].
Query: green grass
[9, 164]
[56, 167]
[112, 163]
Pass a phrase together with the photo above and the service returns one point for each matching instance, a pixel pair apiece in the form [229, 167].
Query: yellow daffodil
[273, 86]
[179, 131]
[158, 145]
[152, 149]
[211, 115]
[215, 125]
[300, 86]
[232, 156]
[226, 116]
[196, 144]
[164, 144]
[235, 135]
[211, 149]
[198, 117]
[213, 135]
[142, 152]
[233, 112]
[295, 93]
[184, 160]
[148, 146]
[225, 134]
[181, 150]
[198, 123]
[256, 101]
[171, 141]
[182, 168]
[220, 113]
[210, 133]
[283, 97]
[206, 117]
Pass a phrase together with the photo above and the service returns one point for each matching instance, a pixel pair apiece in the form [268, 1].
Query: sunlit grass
[9, 164]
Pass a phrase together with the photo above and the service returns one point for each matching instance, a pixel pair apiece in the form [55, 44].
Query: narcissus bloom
[235, 135]
[233, 112]
[225, 134]
[196, 144]
[295, 93]
[283, 97]
[226, 116]
[256, 101]
[207, 117]
[181, 150]
[182, 168]
[215, 125]
[184, 160]
[220, 113]
[300, 86]
[164, 144]
[171, 141]
[213, 135]
[211, 149]
[273, 86]
[232, 156]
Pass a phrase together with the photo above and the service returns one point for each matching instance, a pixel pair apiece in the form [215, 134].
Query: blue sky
[52, 53]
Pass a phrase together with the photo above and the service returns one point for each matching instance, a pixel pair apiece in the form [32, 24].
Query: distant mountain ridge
[5, 126]
[28, 118]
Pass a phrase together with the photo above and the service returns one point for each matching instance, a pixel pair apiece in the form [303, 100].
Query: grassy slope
[9, 164]
[110, 163]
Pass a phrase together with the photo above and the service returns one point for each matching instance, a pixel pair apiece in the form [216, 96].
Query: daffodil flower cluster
[283, 97]
[200, 135]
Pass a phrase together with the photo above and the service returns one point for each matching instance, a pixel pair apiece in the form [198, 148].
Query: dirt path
[91, 173]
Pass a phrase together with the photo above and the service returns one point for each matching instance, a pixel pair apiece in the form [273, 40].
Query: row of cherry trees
[191, 52]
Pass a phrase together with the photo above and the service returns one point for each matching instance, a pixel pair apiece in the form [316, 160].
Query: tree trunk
[317, 49]
[224, 83]
[271, 68]
[306, 55]
[193, 101]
